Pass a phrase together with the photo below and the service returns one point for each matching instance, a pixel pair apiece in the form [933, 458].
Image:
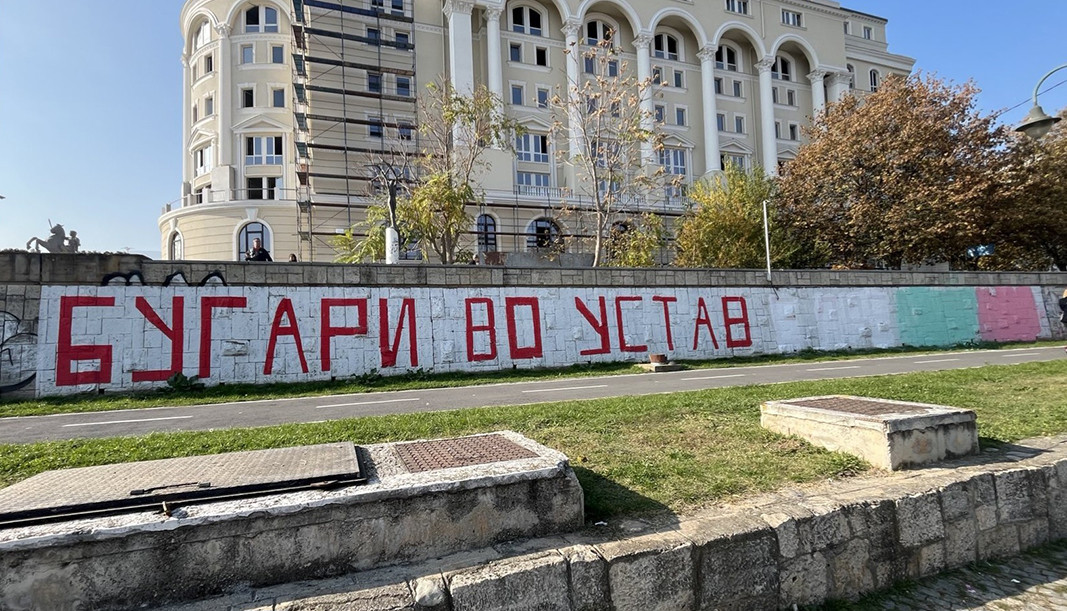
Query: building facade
[293, 110]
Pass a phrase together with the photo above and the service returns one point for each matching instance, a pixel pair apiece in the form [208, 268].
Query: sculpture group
[58, 242]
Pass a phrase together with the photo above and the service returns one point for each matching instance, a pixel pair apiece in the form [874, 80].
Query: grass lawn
[418, 380]
[674, 452]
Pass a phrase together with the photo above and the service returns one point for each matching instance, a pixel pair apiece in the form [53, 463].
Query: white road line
[126, 421]
[368, 403]
[1008, 356]
[935, 361]
[735, 375]
[834, 368]
[565, 388]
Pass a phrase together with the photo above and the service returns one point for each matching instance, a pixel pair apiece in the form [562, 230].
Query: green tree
[635, 243]
[725, 226]
[910, 173]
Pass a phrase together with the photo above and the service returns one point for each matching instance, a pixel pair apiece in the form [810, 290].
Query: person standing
[1063, 311]
[257, 252]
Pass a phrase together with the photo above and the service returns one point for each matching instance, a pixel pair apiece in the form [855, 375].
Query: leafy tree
[636, 242]
[603, 115]
[434, 210]
[725, 226]
[907, 174]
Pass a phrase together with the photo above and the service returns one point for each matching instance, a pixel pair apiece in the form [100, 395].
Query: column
[818, 91]
[492, 33]
[460, 45]
[224, 101]
[711, 108]
[574, 74]
[840, 84]
[766, 111]
[187, 88]
[642, 43]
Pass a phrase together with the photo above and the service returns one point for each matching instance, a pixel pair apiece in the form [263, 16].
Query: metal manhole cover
[422, 456]
[118, 488]
[863, 407]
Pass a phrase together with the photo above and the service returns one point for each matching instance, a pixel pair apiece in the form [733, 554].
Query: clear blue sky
[90, 99]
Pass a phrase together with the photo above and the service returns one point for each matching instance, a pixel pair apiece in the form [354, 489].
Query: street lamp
[1037, 123]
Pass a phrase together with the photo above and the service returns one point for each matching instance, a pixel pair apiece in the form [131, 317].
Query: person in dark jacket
[1063, 311]
[257, 252]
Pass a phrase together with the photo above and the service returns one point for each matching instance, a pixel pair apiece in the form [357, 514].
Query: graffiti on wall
[18, 354]
[121, 337]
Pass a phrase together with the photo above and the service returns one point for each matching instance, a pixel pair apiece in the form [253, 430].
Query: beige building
[290, 108]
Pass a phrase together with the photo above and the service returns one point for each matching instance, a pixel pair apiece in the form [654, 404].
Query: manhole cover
[118, 488]
[422, 456]
[863, 407]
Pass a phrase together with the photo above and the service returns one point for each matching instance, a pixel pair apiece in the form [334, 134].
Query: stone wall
[75, 323]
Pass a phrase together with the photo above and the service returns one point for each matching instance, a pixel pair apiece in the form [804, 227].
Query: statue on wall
[58, 242]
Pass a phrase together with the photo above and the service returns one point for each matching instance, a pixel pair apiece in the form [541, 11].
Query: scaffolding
[355, 109]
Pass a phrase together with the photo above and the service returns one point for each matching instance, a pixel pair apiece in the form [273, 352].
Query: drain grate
[862, 407]
[422, 456]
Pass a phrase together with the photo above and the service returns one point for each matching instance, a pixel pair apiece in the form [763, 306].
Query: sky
[90, 100]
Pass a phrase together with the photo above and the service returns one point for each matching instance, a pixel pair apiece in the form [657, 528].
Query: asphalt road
[314, 409]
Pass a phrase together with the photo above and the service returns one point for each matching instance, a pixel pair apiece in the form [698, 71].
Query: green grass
[416, 380]
[675, 452]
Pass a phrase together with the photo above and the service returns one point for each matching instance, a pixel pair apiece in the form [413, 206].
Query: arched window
[527, 20]
[782, 69]
[203, 36]
[666, 47]
[726, 58]
[486, 233]
[176, 249]
[851, 76]
[597, 31]
[874, 80]
[261, 19]
[543, 233]
[250, 232]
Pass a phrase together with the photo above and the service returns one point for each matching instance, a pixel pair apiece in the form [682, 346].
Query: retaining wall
[75, 323]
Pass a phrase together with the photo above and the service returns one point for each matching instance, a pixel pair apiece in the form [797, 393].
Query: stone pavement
[1033, 581]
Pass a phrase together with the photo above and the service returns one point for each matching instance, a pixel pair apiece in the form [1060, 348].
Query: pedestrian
[257, 252]
[292, 257]
[1063, 311]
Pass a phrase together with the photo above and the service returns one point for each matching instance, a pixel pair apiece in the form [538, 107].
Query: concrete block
[998, 542]
[956, 501]
[1021, 495]
[850, 573]
[538, 582]
[650, 573]
[1033, 533]
[1057, 501]
[803, 580]
[961, 543]
[919, 519]
[740, 571]
[588, 573]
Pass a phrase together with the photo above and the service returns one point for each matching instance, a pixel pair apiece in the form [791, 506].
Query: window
[375, 127]
[261, 19]
[203, 194]
[791, 97]
[543, 233]
[374, 36]
[778, 129]
[397, 6]
[542, 97]
[209, 106]
[660, 112]
[277, 54]
[673, 162]
[526, 20]
[774, 94]
[665, 46]
[531, 183]
[247, 54]
[851, 76]
[196, 113]
[792, 18]
[874, 80]
[739, 125]
[848, 27]
[209, 64]
[203, 35]
[679, 79]
[738, 92]
[403, 86]
[782, 69]
[794, 131]
[728, 158]
[374, 82]
[277, 98]
[250, 232]
[726, 59]
[597, 32]
[720, 121]
[264, 187]
[486, 233]
[657, 76]
[737, 6]
[402, 40]
[517, 94]
[532, 147]
[868, 33]
[679, 116]
[263, 150]
[613, 68]
[718, 85]
[204, 159]
[175, 251]
[248, 97]
[589, 65]
[404, 130]
[515, 52]
[541, 56]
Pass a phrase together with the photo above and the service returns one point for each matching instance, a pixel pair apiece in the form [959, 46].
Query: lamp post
[767, 240]
[1037, 123]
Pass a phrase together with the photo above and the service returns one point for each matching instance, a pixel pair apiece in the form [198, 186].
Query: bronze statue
[58, 242]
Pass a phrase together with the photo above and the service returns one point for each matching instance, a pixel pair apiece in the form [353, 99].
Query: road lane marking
[565, 388]
[735, 375]
[368, 403]
[834, 368]
[935, 361]
[1008, 356]
[126, 421]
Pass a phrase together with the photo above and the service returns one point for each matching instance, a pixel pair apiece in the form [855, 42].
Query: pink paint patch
[1007, 313]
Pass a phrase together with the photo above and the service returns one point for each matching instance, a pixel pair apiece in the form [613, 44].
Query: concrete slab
[888, 434]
